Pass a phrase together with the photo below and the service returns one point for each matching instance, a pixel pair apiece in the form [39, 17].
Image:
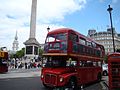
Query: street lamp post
[48, 29]
[109, 10]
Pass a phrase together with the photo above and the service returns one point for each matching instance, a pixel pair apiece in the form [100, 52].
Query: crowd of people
[26, 64]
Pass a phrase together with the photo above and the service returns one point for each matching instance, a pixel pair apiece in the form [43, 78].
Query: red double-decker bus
[114, 71]
[3, 61]
[71, 59]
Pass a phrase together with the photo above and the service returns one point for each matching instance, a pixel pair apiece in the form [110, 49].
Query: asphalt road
[30, 80]
[32, 83]
[29, 83]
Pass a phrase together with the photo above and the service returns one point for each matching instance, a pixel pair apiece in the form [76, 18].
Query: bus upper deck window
[89, 43]
[61, 36]
[73, 37]
[94, 44]
[50, 38]
[82, 41]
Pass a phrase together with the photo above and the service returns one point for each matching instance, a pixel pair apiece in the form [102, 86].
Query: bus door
[114, 71]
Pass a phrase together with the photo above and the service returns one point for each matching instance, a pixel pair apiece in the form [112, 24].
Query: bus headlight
[61, 79]
[42, 76]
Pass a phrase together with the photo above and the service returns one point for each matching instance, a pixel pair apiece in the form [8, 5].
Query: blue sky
[94, 16]
[80, 15]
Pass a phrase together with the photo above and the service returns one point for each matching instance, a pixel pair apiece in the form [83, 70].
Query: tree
[106, 58]
[118, 50]
[11, 56]
[40, 52]
[20, 53]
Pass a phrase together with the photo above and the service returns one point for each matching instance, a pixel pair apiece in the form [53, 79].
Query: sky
[80, 15]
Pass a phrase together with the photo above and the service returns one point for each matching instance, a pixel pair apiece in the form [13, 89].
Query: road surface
[30, 80]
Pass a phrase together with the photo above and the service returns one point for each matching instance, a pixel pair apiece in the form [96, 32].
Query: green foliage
[20, 53]
[118, 50]
[40, 52]
[106, 58]
[11, 56]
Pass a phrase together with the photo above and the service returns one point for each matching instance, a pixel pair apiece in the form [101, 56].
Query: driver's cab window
[55, 62]
[48, 62]
[71, 62]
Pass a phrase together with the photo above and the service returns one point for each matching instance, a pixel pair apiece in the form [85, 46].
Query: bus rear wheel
[99, 77]
[105, 73]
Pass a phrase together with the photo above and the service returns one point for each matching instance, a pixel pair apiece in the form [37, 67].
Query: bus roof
[60, 30]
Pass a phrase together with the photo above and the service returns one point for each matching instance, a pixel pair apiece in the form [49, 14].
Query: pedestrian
[16, 65]
[26, 65]
[34, 65]
[31, 65]
[38, 65]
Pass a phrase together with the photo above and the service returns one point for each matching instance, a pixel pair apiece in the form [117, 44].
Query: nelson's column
[32, 45]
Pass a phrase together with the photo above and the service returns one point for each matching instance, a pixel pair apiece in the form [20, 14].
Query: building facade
[105, 38]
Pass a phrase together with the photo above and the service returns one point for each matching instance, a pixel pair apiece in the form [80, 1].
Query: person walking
[26, 65]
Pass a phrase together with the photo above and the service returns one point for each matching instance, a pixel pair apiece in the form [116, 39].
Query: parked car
[105, 69]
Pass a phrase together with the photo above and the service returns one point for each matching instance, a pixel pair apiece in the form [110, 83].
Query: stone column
[33, 19]
[32, 42]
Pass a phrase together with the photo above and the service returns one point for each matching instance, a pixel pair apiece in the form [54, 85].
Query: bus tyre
[72, 84]
[99, 77]
[45, 86]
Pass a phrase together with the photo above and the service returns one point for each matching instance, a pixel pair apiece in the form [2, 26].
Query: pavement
[18, 73]
[104, 83]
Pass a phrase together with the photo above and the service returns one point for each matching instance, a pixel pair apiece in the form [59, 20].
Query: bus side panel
[3, 68]
[87, 74]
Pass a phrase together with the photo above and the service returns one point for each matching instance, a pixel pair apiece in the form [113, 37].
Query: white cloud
[56, 9]
[15, 15]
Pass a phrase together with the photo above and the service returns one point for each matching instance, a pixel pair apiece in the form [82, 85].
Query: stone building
[15, 44]
[105, 38]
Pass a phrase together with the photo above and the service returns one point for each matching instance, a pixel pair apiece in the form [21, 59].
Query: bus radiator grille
[50, 79]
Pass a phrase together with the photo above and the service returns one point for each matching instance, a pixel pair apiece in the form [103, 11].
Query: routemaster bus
[3, 61]
[114, 71]
[71, 59]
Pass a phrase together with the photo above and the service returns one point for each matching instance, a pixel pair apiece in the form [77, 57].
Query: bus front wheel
[72, 84]
[45, 86]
